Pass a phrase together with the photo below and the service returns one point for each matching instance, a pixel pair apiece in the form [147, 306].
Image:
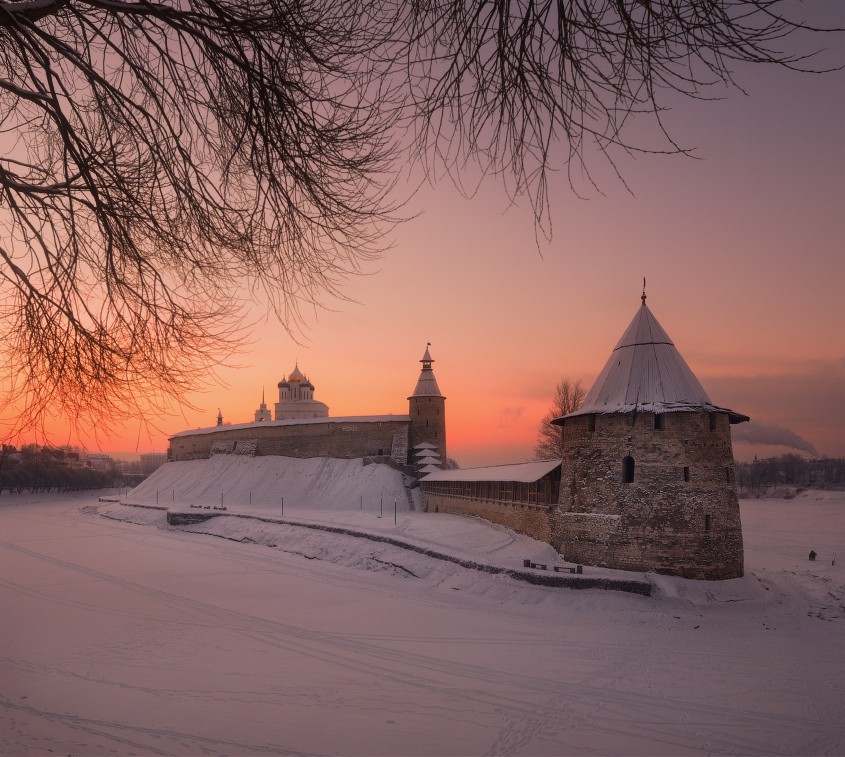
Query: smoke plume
[762, 433]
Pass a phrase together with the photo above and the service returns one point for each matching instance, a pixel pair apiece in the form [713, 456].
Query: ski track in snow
[170, 650]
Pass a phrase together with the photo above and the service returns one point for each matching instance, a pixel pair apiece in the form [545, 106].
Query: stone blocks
[342, 439]
[680, 512]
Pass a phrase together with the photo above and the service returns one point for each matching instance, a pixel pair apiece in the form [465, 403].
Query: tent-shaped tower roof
[426, 383]
[646, 372]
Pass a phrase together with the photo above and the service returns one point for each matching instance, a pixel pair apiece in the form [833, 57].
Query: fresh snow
[645, 372]
[520, 472]
[428, 460]
[258, 484]
[121, 637]
[328, 492]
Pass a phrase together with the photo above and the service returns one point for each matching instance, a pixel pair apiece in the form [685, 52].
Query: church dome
[296, 375]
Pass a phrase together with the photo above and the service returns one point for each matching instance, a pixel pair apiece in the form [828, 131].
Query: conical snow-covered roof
[646, 372]
[426, 383]
[424, 446]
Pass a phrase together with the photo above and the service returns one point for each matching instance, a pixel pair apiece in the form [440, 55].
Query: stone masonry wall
[344, 440]
[532, 520]
[679, 515]
[428, 422]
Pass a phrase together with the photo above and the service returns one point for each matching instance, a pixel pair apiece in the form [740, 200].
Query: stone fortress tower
[296, 399]
[648, 479]
[427, 408]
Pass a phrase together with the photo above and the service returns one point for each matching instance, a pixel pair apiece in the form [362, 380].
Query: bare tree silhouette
[567, 398]
[162, 163]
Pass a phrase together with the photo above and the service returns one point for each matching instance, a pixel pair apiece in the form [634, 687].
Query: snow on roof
[646, 372]
[296, 422]
[428, 460]
[424, 445]
[521, 472]
[426, 385]
[429, 469]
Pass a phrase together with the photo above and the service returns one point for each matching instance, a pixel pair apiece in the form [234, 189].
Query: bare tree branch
[165, 163]
[170, 163]
[503, 83]
[568, 397]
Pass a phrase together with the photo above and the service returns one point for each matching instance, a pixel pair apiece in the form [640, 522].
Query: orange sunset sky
[742, 247]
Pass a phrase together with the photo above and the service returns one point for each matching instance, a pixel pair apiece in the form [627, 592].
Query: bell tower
[427, 408]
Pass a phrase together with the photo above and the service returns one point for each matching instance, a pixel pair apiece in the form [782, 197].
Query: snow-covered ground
[369, 499]
[260, 484]
[137, 638]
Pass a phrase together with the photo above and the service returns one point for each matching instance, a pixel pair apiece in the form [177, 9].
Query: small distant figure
[812, 555]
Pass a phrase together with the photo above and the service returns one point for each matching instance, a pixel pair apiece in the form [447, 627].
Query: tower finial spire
[643, 296]
[427, 359]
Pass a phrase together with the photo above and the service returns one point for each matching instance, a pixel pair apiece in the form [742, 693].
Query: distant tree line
[789, 470]
[37, 469]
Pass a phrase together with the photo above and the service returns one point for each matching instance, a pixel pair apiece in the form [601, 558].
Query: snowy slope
[332, 492]
[260, 483]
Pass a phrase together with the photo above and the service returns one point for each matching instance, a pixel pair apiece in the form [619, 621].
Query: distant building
[296, 399]
[98, 461]
[427, 407]
[263, 412]
[302, 427]
[151, 461]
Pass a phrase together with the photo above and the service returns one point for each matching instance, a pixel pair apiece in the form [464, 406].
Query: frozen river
[119, 638]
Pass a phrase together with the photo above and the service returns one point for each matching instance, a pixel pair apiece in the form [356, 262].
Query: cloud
[763, 433]
[811, 401]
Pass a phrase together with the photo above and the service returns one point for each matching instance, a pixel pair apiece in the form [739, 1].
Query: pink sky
[742, 248]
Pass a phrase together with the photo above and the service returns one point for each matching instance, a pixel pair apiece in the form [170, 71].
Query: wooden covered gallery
[519, 496]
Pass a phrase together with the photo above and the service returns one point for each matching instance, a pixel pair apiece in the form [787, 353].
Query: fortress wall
[343, 440]
[660, 521]
[531, 520]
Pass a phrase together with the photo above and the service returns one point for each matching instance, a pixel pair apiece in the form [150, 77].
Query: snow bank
[258, 484]
[338, 494]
